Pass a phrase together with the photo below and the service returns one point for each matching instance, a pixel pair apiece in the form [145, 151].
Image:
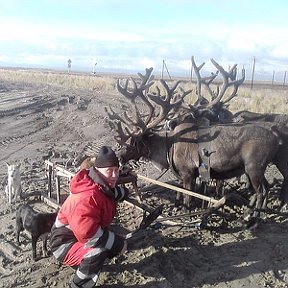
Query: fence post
[253, 71]
[49, 176]
[58, 189]
[191, 71]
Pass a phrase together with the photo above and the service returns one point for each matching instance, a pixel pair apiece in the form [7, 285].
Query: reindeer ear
[7, 164]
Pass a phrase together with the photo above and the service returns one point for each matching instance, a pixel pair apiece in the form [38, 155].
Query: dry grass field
[57, 116]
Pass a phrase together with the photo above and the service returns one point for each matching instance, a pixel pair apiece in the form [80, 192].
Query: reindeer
[248, 116]
[231, 149]
[216, 110]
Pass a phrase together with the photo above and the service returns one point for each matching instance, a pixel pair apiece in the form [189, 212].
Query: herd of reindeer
[203, 139]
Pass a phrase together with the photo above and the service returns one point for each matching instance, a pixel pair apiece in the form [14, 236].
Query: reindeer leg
[44, 245]
[179, 199]
[283, 168]
[257, 179]
[34, 246]
[189, 181]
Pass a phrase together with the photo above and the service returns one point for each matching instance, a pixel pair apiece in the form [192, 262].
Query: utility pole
[69, 65]
[165, 66]
[273, 77]
[93, 68]
[253, 71]
[191, 72]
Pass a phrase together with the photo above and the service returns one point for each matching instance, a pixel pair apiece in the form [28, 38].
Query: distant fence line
[252, 81]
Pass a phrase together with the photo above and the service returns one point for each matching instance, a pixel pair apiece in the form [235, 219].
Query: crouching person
[80, 236]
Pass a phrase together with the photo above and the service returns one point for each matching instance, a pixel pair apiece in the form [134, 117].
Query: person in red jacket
[80, 236]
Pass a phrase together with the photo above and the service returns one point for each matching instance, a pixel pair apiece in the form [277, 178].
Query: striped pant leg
[88, 271]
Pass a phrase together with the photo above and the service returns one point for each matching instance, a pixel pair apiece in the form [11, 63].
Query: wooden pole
[132, 179]
[49, 176]
[59, 168]
[178, 189]
[58, 189]
[191, 71]
[253, 71]
[50, 202]
[167, 71]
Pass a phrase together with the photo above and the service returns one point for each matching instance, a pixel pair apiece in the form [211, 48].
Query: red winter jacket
[86, 215]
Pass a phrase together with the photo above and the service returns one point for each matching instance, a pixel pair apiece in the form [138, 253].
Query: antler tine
[135, 91]
[146, 83]
[147, 77]
[233, 72]
[226, 76]
[184, 94]
[121, 137]
[119, 124]
[139, 122]
[236, 84]
[198, 76]
[124, 90]
[169, 91]
[164, 102]
[203, 80]
[114, 116]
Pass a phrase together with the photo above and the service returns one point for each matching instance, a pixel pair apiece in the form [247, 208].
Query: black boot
[73, 285]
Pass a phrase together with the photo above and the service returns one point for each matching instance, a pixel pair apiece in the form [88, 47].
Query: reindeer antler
[125, 126]
[230, 75]
[165, 103]
[229, 79]
[132, 93]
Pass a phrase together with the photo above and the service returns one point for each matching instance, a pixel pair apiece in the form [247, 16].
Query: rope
[162, 174]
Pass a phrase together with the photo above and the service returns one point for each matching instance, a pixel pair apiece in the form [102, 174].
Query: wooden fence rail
[60, 172]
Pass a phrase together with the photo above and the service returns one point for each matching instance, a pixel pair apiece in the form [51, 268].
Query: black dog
[37, 224]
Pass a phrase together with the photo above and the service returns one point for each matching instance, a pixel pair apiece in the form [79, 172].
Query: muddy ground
[47, 122]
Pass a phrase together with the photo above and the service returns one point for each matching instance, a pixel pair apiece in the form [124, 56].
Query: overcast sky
[130, 35]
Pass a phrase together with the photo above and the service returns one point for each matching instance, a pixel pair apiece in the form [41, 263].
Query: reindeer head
[134, 132]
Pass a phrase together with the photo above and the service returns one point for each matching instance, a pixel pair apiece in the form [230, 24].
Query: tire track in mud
[37, 107]
[39, 127]
[10, 255]
[93, 147]
[9, 251]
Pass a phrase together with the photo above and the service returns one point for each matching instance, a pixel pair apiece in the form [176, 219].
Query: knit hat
[106, 158]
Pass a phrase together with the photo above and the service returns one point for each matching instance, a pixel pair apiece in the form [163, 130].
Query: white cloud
[280, 51]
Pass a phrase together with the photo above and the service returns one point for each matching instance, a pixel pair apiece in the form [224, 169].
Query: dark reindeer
[248, 116]
[231, 149]
[216, 111]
